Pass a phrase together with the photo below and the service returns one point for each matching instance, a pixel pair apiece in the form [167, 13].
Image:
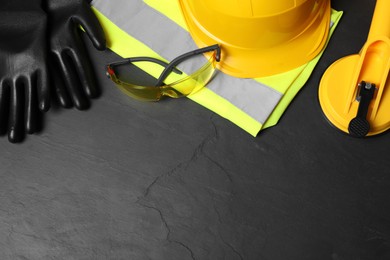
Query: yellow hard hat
[259, 37]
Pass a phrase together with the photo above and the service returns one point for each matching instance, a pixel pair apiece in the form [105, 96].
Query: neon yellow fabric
[288, 83]
[205, 97]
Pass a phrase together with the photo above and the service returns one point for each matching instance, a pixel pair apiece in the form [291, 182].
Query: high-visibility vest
[156, 28]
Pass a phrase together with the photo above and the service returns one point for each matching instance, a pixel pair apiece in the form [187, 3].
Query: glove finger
[72, 81]
[42, 81]
[4, 106]
[84, 69]
[15, 126]
[57, 80]
[92, 27]
[32, 110]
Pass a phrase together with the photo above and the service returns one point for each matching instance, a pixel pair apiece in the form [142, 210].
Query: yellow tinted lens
[145, 93]
[141, 92]
[192, 83]
[180, 88]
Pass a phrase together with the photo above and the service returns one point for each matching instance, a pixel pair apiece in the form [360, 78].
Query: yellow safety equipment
[184, 86]
[251, 103]
[354, 92]
[259, 37]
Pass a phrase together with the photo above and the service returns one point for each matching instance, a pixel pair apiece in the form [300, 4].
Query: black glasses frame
[171, 66]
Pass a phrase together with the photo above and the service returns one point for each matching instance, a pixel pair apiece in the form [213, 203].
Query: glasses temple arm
[168, 69]
[150, 59]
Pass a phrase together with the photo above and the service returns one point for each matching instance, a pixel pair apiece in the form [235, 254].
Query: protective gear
[258, 37]
[354, 92]
[23, 70]
[73, 74]
[252, 104]
[182, 86]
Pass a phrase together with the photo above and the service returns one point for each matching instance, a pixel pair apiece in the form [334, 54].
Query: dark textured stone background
[173, 180]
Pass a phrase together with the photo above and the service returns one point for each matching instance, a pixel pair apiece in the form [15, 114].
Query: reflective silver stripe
[170, 40]
[152, 28]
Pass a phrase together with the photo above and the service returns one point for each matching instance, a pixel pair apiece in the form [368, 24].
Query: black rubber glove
[72, 71]
[23, 69]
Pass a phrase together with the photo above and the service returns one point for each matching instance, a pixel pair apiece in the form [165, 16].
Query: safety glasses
[184, 86]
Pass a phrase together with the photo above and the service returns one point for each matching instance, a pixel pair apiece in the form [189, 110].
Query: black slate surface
[173, 180]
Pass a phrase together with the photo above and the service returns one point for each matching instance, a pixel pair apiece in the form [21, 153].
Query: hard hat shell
[259, 37]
